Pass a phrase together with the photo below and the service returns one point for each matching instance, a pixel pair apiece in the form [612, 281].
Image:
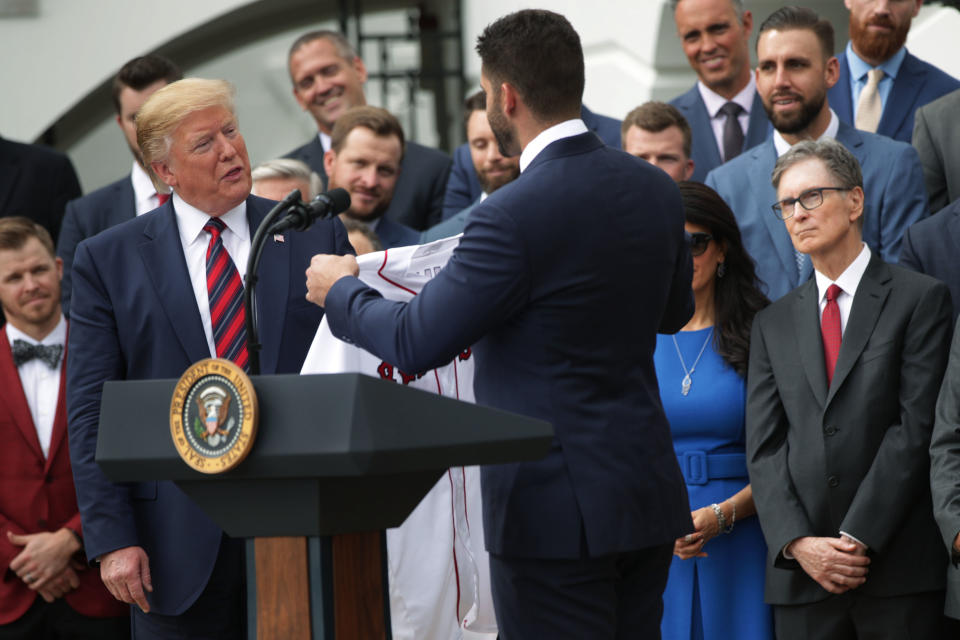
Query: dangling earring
[721, 269]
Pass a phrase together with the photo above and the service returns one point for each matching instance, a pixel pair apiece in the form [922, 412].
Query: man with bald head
[143, 310]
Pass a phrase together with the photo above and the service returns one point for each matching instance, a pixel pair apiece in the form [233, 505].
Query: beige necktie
[869, 107]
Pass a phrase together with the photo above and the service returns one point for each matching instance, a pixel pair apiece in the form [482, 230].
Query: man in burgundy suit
[47, 592]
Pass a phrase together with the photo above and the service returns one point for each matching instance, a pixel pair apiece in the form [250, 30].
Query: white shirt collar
[324, 141]
[566, 129]
[57, 336]
[849, 280]
[144, 191]
[782, 146]
[190, 220]
[713, 101]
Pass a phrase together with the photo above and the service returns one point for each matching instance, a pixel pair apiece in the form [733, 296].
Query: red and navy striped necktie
[225, 293]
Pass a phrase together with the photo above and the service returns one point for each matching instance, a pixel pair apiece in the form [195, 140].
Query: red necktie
[162, 198]
[225, 293]
[830, 329]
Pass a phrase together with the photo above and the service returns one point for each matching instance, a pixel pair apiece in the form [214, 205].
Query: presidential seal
[213, 415]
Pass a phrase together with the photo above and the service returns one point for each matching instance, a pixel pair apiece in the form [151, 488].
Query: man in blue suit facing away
[142, 310]
[560, 282]
[881, 84]
[723, 108]
[796, 68]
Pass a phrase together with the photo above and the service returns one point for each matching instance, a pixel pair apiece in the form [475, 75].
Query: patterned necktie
[162, 198]
[225, 293]
[732, 132]
[869, 106]
[24, 351]
[830, 329]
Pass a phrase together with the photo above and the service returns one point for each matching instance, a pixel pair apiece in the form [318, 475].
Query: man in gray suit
[937, 139]
[843, 377]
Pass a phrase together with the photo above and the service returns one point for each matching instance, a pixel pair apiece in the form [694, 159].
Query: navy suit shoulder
[87, 216]
[449, 227]
[393, 234]
[36, 182]
[312, 154]
[526, 287]
[931, 247]
[418, 197]
[606, 128]
[463, 187]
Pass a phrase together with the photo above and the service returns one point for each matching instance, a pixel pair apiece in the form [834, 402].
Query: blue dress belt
[699, 467]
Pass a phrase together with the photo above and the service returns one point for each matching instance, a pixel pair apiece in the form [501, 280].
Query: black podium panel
[333, 454]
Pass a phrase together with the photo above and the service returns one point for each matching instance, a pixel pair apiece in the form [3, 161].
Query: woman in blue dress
[715, 588]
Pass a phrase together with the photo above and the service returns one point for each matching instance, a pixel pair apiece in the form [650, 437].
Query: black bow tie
[23, 352]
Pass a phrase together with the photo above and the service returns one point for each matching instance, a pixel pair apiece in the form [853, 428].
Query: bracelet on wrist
[721, 519]
[733, 517]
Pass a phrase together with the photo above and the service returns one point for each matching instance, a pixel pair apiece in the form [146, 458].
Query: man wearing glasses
[796, 67]
[843, 380]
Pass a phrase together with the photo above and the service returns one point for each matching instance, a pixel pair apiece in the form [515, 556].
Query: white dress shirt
[566, 129]
[782, 146]
[41, 384]
[714, 102]
[236, 240]
[144, 192]
[324, 141]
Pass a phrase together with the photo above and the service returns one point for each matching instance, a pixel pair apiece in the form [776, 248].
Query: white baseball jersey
[438, 568]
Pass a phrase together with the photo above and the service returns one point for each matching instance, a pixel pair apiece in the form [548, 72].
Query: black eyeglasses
[699, 242]
[809, 200]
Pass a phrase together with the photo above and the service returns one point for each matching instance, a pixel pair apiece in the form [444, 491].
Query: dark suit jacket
[705, 153]
[892, 184]
[86, 217]
[36, 494]
[393, 234]
[936, 137]
[945, 469]
[851, 457]
[418, 197]
[463, 188]
[449, 227]
[134, 317]
[563, 313]
[916, 84]
[36, 182]
[931, 246]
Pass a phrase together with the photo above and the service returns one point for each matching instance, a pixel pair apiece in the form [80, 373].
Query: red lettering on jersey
[464, 355]
[385, 371]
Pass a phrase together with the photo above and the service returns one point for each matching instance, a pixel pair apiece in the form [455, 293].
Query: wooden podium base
[283, 588]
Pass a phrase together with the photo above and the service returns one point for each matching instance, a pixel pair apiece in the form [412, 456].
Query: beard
[799, 121]
[489, 184]
[505, 134]
[878, 46]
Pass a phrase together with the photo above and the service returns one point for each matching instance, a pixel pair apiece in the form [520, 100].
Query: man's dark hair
[656, 117]
[141, 72]
[790, 18]
[380, 121]
[539, 53]
[475, 102]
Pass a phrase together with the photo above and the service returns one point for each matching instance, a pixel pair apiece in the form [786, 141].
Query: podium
[335, 454]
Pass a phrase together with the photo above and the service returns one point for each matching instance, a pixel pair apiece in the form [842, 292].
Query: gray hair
[738, 8]
[344, 49]
[839, 162]
[289, 169]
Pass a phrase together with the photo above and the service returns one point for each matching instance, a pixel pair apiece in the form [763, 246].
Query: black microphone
[301, 215]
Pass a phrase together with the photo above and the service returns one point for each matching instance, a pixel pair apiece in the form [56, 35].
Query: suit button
[833, 481]
[830, 430]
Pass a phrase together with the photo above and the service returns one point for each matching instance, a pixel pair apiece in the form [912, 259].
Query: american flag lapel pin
[278, 237]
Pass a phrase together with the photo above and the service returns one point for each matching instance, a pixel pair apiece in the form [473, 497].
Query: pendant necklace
[687, 380]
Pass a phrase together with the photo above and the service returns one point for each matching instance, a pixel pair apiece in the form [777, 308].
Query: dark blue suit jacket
[916, 84]
[36, 182]
[418, 197]
[705, 153]
[463, 188]
[86, 217]
[135, 317]
[931, 246]
[393, 234]
[892, 184]
[561, 281]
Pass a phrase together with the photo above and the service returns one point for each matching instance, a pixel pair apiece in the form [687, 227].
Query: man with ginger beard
[795, 69]
[881, 84]
[153, 296]
[492, 168]
[365, 156]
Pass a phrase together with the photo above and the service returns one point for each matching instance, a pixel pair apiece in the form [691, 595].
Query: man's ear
[162, 171]
[508, 98]
[328, 158]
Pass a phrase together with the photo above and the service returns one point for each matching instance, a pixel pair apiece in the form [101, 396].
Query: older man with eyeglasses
[842, 383]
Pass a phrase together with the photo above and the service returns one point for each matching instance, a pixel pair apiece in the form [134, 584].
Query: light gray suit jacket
[937, 139]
